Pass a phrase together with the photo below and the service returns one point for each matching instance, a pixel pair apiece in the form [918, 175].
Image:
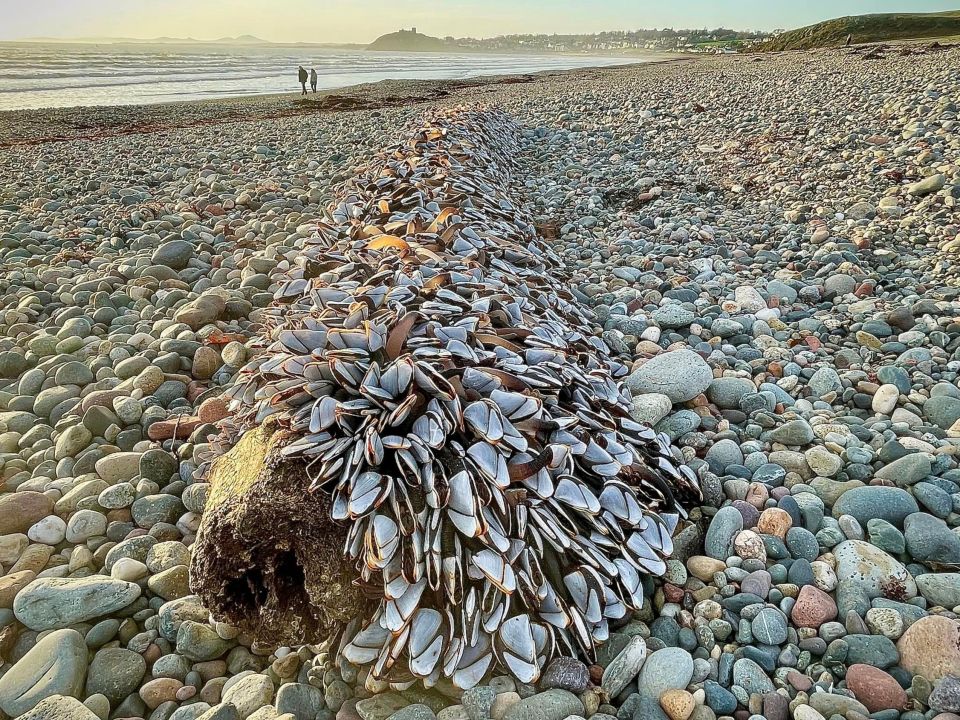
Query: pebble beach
[770, 242]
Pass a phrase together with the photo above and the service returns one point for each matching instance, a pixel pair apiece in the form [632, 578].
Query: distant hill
[866, 28]
[409, 41]
[243, 40]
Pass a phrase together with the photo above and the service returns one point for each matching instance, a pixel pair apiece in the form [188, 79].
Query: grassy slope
[867, 28]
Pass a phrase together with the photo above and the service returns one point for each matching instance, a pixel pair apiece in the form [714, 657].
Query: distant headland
[409, 41]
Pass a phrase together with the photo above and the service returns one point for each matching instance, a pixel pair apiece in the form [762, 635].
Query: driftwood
[430, 422]
[267, 558]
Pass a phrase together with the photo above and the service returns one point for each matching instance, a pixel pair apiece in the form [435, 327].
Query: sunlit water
[54, 75]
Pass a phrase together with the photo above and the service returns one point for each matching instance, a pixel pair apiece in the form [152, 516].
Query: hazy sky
[364, 20]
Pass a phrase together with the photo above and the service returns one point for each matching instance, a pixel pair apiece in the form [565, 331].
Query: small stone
[749, 299]
[941, 589]
[704, 568]
[946, 695]
[885, 536]
[206, 362]
[548, 705]
[115, 673]
[502, 704]
[886, 503]
[885, 399]
[204, 310]
[673, 316]
[663, 670]
[749, 545]
[214, 409]
[824, 381]
[200, 642]
[724, 526]
[884, 621]
[756, 583]
[171, 583]
[928, 185]
[566, 674]
[725, 392]
[85, 524]
[907, 470]
[225, 711]
[942, 411]
[12, 583]
[73, 440]
[174, 254]
[751, 677]
[417, 711]
[774, 521]
[51, 530]
[930, 540]
[823, 462]
[60, 707]
[828, 704]
[677, 704]
[930, 647]
[118, 467]
[158, 691]
[769, 627]
[874, 650]
[249, 694]
[805, 712]
[876, 689]
[300, 699]
[20, 510]
[624, 667]
[793, 432]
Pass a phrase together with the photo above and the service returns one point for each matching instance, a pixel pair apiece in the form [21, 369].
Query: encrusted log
[442, 427]
[267, 557]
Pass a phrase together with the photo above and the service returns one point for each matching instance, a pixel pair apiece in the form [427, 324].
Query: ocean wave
[48, 77]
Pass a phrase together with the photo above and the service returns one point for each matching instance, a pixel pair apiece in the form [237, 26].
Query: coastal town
[665, 40]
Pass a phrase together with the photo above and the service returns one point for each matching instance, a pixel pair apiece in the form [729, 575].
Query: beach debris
[440, 384]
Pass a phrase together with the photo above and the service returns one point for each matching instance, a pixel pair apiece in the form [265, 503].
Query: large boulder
[873, 570]
[48, 603]
[681, 375]
[56, 665]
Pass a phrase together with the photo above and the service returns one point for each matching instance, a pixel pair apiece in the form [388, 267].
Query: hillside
[408, 41]
[867, 28]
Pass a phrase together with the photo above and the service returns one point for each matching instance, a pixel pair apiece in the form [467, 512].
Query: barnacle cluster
[446, 390]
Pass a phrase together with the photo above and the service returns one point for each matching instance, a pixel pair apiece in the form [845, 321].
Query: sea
[50, 75]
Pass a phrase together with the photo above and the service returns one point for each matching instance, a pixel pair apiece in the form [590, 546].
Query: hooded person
[302, 77]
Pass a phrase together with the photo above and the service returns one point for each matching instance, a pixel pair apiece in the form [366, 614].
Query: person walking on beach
[313, 79]
[302, 75]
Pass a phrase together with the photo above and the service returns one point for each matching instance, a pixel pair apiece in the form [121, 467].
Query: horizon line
[253, 39]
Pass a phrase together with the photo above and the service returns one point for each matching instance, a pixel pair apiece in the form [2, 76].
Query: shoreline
[43, 125]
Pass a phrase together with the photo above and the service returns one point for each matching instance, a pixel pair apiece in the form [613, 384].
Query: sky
[364, 20]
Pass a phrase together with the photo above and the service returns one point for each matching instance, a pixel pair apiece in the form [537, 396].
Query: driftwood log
[267, 558]
[430, 422]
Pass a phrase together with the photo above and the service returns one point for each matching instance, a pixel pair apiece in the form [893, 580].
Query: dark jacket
[303, 75]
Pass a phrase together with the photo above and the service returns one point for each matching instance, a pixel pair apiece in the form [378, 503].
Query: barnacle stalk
[435, 380]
